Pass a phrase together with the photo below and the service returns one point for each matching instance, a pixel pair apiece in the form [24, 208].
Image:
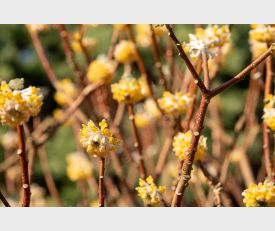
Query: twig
[4, 200]
[137, 143]
[187, 61]
[156, 55]
[266, 142]
[243, 73]
[187, 165]
[101, 182]
[69, 52]
[43, 58]
[24, 166]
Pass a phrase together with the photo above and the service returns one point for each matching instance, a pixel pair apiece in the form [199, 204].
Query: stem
[69, 51]
[243, 73]
[43, 58]
[187, 164]
[187, 61]
[141, 66]
[206, 77]
[24, 166]
[156, 55]
[266, 141]
[101, 182]
[137, 143]
[4, 200]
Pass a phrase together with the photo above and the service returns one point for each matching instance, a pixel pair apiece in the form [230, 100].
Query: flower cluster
[269, 112]
[38, 27]
[174, 104]
[261, 195]
[120, 27]
[181, 143]
[101, 70]
[147, 113]
[125, 52]
[127, 90]
[66, 89]
[149, 192]
[18, 104]
[98, 142]
[212, 39]
[144, 33]
[78, 167]
[262, 33]
[88, 43]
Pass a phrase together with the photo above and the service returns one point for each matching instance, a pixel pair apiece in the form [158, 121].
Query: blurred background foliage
[18, 59]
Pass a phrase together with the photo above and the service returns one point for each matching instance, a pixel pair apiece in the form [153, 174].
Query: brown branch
[243, 73]
[141, 66]
[69, 51]
[4, 200]
[187, 164]
[213, 183]
[24, 166]
[42, 57]
[266, 141]
[48, 176]
[137, 143]
[156, 55]
[101, 182]
[206, 78]
[189, 65]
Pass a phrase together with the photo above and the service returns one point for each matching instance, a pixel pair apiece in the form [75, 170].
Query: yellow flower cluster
[78, 167]
[212, 39]
[88, 43]
[127, 90]
[38, 27]
[269, 112]
[262, 33]
[9, 140]
[261, 195]
[149, 192]
[125, 52]
[18, 104]
[38, 196]
[101, 70]
[144, 33]
[66, 89]
[98, 142]
[174, 104]
[147, 113]
[119, 27]
[181, 143]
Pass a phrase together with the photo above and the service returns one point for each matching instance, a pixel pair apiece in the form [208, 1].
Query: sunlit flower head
[78, 167]
[98, 141]
[65, 89]
[181, 144]
[101, 70]
[269, 112]
[17, 104]
[146, 113]
[9, 140]
[125, 52]
[262, 33]
[212, 39]
[174, 104]
[144, 38]
[88, 42]
[127, 90]
[149, 192]
[38, 196]
[120, 27]
[38, 27]
[260, 195]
